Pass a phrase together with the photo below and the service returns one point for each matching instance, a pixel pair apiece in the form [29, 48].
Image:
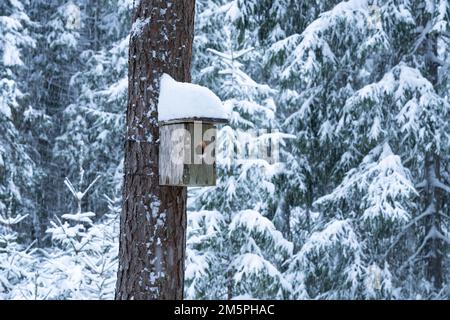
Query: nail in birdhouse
[188, 115]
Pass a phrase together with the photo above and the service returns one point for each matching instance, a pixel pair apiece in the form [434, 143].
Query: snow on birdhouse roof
[187, 101]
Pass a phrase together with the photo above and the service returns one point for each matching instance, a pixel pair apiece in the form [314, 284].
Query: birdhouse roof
[181, 101]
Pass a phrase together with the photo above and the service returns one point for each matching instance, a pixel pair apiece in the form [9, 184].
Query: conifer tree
[153, 221]
[17, 169]
[231, 242]
[361, 76]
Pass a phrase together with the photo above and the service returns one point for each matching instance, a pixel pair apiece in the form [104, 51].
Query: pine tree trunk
[433, 222]
[433, 193]
[153, 221]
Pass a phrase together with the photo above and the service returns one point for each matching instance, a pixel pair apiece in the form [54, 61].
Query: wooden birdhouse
[188, 115]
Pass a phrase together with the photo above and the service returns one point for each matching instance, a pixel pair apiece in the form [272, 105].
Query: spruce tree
[231, 241]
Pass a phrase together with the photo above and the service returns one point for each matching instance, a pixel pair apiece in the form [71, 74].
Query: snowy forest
[356, 94]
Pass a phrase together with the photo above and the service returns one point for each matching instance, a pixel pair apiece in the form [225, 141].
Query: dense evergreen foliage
[353, 94]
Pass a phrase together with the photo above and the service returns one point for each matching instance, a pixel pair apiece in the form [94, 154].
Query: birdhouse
[188, 116]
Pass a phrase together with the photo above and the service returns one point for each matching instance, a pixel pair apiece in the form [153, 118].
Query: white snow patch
[79, 217]
[73, 15]
[11, 54]
[138, 26]
[179, 100]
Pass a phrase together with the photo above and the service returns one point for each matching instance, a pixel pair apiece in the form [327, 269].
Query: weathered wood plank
[171, 154]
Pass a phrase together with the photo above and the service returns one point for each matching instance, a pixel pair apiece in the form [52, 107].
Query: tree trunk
[433, 194]
[153, 221]
[435, 246]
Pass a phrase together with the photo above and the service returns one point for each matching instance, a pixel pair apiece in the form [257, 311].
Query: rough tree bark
[435, 246]
[433, 195]
[153, 221]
